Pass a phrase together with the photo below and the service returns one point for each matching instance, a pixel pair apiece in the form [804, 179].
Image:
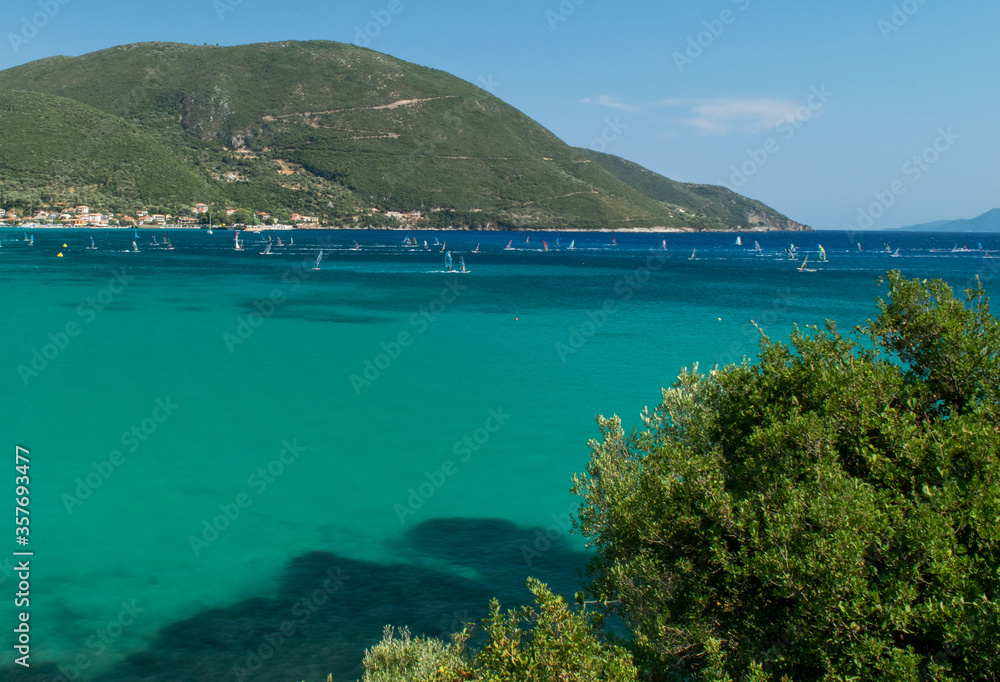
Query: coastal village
[84, 216]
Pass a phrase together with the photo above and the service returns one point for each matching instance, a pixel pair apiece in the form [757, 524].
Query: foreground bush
[831, 512]
[544, 643]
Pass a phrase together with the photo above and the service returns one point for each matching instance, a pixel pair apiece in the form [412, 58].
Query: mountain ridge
[326, 128]
[987, 222]
[756, 215]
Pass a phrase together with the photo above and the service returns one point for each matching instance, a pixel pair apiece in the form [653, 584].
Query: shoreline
[287, 228]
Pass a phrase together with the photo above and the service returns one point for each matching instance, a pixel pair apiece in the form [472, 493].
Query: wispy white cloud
[611, 102]
[721, 116]
[728, 116]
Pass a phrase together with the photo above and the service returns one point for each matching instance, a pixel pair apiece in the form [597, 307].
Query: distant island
[333, 134]
[987, 222]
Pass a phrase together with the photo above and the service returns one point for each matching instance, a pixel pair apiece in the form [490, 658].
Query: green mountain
[715, 207]
[320, 128]
[42, 147]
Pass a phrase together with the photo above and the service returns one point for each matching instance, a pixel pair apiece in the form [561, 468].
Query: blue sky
[857, 113]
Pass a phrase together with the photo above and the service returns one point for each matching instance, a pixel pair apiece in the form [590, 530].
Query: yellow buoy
[60, 255]
[64, 246]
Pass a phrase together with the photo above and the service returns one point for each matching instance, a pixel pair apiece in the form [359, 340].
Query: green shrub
[547, 642]
[831, 512]
[401, 658]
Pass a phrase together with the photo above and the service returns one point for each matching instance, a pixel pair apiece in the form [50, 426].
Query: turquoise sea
[242, 467]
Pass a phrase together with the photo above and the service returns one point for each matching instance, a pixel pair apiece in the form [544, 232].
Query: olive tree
[830, 511]
[546, 642]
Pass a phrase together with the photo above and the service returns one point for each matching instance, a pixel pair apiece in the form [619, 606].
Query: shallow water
[377, 441]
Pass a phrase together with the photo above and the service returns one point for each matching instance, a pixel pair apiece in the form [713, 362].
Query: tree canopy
[831, 511]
